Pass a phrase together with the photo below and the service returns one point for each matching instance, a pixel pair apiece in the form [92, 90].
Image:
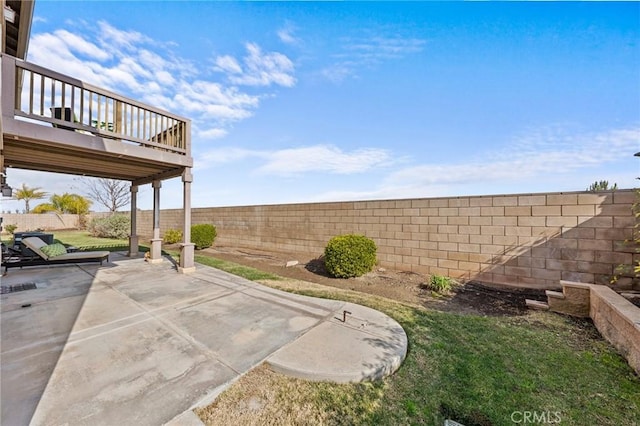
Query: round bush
[113, 226]
[202, 235]
[172, 236]
[347, 256]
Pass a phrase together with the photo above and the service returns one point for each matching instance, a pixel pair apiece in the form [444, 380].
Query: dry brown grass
[262, 397]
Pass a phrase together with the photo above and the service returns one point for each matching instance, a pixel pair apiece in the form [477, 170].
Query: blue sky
[304, 101]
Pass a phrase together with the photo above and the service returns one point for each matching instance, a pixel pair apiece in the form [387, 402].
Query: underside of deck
[33, 146]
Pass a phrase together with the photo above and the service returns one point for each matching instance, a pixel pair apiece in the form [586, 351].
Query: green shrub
[350, 255]
[114, 226]
[440, 284]
[202, 235]
[172, 236]
[11, 228]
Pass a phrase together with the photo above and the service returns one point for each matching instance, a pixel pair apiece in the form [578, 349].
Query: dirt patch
[408, 287]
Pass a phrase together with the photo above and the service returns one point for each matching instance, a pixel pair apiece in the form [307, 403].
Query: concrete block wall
[47, 222]
[616, 318]
[527, 240]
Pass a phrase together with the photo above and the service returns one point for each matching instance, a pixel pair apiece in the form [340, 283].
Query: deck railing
[54, 99]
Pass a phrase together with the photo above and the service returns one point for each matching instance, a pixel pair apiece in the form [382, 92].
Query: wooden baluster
[30, 92]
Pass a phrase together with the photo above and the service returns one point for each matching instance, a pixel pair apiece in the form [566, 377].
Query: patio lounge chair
[36, 245]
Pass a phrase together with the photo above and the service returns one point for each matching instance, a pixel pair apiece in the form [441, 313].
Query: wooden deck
[52, 122]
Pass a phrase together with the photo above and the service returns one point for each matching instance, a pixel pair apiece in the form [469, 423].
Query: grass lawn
[236, 269]
[475, 370]
[84, 241]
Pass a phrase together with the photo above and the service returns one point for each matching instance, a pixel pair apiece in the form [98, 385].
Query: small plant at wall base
[439, 284]
[11, 228]
[347, 256]
[172, 236]
[203, 235]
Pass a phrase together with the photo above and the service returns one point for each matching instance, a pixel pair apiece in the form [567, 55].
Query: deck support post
[155, 255]
[187, 247]
[133, 235]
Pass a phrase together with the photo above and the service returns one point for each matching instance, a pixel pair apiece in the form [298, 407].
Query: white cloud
[50, 51]
[121, 77]
[547, 159]
[286, 34]
[80, 45]
[131, 66]
[550, 159]
[151, 60]
[296, 161]
[223, 155]
[213, 133]
[337, 73]
[165, 78]
[228, 64]
[212, 93]
[384, 47]
[258, 68]
[118, 39]
[202, 99]
[129, 62]
[323, 158]
[534, 155]
[366, 52]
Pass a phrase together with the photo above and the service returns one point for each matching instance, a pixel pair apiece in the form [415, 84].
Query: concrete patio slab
[362, 345]
[135, 343]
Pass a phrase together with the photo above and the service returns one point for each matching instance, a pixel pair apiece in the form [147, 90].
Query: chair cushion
[35, 244]
[53, 250]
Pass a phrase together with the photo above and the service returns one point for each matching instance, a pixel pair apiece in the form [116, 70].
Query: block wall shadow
[593, 251]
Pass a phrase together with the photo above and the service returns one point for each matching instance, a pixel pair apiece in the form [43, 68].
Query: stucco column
[155, 255]
[133, 236]
[186, 248]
